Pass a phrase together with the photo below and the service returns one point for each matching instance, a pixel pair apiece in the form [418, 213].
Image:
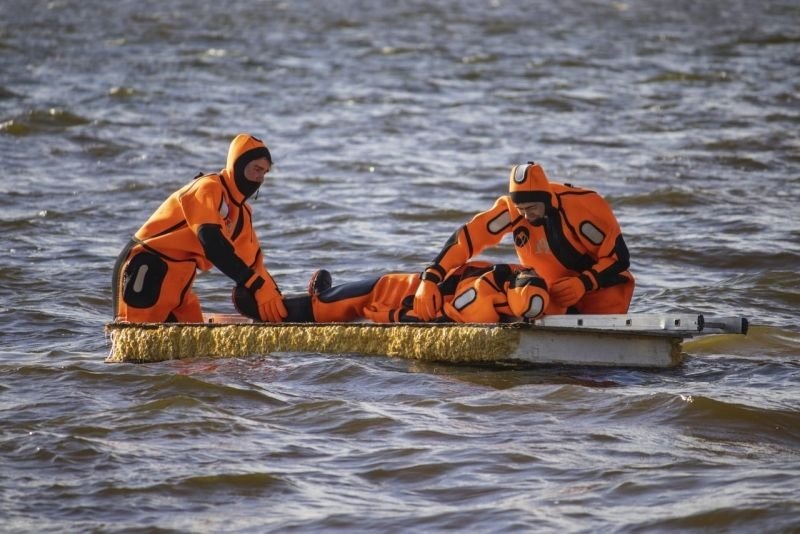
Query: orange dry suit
[578, 242]
[476, 292]
[203, 224]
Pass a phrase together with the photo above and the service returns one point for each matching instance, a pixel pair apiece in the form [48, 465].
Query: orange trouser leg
[363, 299]
[393, 293]
[189, 311]
[609, 300]
[343, 302]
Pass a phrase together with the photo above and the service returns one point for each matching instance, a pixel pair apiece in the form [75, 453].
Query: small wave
[15, 128]
[441, 214]
[19, 224]
[770, 39]
[238, 483]
[759, 341]
[743, 163]
[6, 93]
[736, 421]
[42, 122]
[739, 518]
[196, 379]
[98, 148]
[123, 92]
[688, 77]
[479, 58]
[669, 196]
[428, 473]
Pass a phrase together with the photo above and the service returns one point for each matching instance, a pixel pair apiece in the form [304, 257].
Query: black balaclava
[245, 186]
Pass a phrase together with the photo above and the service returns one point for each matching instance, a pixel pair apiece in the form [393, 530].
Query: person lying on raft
[476, 292]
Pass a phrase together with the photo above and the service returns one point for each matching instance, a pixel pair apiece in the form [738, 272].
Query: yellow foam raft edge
[141, 343]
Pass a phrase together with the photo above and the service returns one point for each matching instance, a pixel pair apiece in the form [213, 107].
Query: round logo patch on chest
[521, 236]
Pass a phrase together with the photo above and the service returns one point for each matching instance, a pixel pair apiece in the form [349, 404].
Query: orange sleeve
[598, 230]
[484, 230]
[201, 204]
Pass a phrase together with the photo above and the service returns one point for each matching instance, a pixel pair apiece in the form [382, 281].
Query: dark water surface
[391, 124]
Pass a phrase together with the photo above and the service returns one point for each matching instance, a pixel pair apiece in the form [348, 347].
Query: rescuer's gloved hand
[568, 291]
[428, 298]
[268, 299]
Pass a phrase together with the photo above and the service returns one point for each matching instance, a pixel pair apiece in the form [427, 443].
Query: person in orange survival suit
[477, 292]
[569, 235]
[203, 224]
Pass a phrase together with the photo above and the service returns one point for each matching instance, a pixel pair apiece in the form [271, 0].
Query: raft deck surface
[636, 340]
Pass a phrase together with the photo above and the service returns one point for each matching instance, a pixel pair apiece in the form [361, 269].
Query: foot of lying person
[319, 282]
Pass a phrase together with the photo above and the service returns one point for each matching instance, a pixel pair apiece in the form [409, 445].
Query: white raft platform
[633, 340]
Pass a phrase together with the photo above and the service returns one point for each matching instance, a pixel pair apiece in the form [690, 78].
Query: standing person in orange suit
[569, 235]
[206, 223]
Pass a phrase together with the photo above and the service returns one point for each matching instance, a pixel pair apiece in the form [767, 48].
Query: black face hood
[245, 186]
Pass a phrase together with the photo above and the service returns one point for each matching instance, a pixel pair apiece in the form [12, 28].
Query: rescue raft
[634, 340]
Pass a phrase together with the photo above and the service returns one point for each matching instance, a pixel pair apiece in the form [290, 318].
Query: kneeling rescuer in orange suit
[205, 223]
[569, 235]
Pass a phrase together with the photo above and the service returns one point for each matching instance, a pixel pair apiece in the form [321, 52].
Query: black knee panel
[142, 280]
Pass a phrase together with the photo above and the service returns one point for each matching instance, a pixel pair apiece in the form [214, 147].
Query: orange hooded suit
[205, 223]
[577, 247]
